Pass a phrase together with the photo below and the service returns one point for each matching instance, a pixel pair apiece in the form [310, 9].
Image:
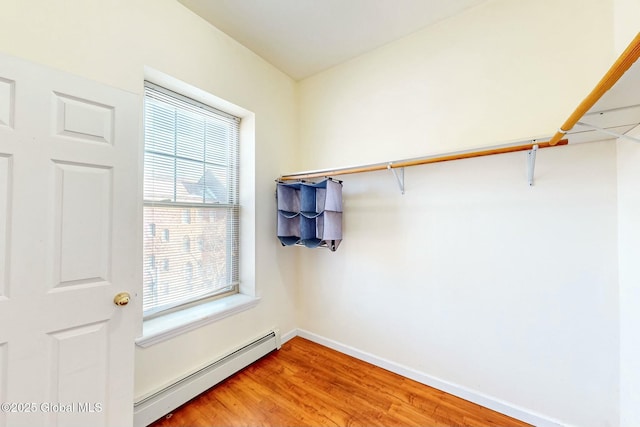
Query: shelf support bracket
[531, 163]
[608, 132]
[399, 176]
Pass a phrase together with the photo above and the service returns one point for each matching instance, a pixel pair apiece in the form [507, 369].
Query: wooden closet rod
[419, 161]
[624, 62]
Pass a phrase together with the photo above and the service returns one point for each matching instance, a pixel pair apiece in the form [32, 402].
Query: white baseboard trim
[465, 393]
[289, 335]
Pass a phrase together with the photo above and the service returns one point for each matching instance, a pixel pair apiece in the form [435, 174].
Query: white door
[69, 224]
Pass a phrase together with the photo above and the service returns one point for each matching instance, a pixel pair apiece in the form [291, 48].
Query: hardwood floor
[306, 384]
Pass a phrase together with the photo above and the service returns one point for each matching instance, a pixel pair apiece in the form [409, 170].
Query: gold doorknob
[122, 298]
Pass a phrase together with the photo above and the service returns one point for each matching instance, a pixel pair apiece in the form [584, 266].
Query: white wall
[111, 42]
[476, 279]
[627, 16]
[504, 70]
[471, 277]
[629, 236]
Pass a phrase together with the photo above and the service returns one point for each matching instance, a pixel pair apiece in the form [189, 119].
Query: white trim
[289, 335]
[446, 386]
[171, 325]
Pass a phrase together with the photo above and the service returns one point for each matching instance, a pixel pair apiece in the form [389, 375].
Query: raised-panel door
[69, 224]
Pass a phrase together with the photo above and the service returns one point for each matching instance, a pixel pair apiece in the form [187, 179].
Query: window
[191, 201]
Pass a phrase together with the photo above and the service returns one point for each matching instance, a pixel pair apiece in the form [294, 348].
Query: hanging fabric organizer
[310, 213]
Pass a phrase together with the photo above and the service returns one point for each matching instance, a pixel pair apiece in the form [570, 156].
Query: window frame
[185, 106]
[171, 323]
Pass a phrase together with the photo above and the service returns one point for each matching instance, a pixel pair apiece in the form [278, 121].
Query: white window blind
[191, 211]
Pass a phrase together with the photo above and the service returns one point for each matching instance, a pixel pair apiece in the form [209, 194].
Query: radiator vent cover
[161, 402]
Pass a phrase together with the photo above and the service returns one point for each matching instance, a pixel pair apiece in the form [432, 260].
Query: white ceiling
[304, 37]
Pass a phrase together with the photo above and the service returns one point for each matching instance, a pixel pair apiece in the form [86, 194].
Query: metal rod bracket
[608, 132]
[531, 163]
[399, 176]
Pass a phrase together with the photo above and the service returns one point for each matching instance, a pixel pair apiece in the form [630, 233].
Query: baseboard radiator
[156, 405]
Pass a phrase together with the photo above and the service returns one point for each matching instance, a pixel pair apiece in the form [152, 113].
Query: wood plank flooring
[306, 384]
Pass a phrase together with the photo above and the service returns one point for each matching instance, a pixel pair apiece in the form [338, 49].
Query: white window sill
[165, 327]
